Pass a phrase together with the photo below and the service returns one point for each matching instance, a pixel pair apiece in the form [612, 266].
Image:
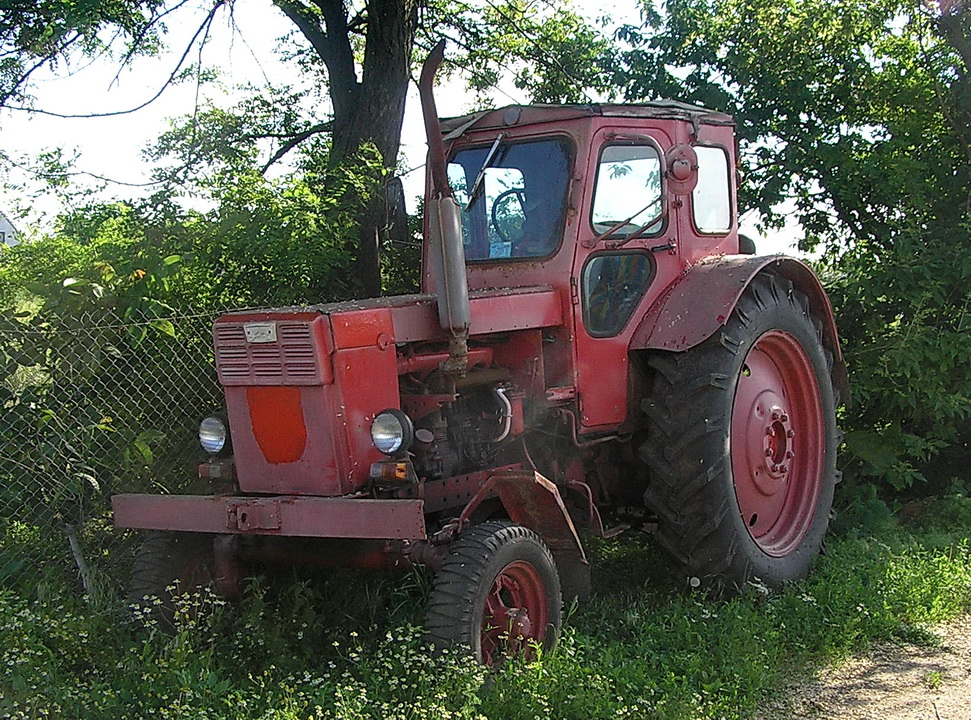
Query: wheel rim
[516, 613]
[777, 443]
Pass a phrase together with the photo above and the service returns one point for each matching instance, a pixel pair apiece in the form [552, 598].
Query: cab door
[622, 239]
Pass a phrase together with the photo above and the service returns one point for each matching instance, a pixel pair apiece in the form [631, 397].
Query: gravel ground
[891, 682]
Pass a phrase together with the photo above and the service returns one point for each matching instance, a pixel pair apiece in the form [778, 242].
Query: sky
[111, 147]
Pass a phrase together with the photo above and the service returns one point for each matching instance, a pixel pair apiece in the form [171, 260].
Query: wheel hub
[515, 613]
[777, 442]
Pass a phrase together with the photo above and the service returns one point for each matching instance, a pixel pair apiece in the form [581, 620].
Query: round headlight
[213, 434]
[392, 431]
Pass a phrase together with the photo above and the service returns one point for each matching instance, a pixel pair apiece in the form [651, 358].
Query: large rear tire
[497, 594]
[742, 443]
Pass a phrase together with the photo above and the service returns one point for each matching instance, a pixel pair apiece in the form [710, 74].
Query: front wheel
[497, 593]
[742, 443]
[168, 565]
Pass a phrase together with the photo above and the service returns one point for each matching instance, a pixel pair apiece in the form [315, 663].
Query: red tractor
[589, 340]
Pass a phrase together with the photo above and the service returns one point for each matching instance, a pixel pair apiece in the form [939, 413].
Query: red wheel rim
[516, 613]
[777, 443]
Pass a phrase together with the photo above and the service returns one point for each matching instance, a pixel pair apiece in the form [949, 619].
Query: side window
[711, 198]
[628, 190]
[613, 285]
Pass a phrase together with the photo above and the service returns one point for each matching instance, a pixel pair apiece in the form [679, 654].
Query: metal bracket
[596, 522]
[253, 515]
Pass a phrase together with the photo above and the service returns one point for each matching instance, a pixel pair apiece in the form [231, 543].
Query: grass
[343, 646]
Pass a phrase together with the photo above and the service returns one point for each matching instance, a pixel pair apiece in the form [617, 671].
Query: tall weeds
[346, 645]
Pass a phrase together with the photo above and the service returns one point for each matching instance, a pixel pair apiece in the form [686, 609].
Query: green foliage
[401, 261]
[105, 355]
[854, 114]
[905, 323]
[85, 329]
[321, 648]
[552, 52]
[285, 242]
[202, 152]
[52, 31]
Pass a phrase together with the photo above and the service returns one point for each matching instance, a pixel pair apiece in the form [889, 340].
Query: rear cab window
[711, 199]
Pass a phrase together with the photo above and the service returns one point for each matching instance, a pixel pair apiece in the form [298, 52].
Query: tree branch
[951, 24]
[143, 32]
[202, 29]
[543, 52]
[294, 141]
[27, 73]
[332, 45]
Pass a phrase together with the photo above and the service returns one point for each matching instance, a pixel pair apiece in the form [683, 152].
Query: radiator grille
[291, 360]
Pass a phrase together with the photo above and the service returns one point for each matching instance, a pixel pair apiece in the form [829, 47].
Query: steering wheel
[500, 199]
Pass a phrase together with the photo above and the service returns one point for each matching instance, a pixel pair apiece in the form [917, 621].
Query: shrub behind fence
[93, 406]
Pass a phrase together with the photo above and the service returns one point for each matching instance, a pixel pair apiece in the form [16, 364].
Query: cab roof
[518, 115]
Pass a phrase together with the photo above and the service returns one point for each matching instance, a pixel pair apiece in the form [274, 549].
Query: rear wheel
[166, 566]
[497, 593]
[742, 443]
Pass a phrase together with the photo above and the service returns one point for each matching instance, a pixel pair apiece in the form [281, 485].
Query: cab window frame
[662, 216]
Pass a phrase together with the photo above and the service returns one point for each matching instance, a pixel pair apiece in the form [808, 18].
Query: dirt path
[891, 682]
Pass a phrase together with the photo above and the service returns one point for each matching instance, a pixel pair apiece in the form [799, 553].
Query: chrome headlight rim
[214, 436]
[392, 432]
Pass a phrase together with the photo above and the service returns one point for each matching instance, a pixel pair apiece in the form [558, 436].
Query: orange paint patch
[277, 419]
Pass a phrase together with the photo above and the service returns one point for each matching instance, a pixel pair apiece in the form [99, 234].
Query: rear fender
[703, 299]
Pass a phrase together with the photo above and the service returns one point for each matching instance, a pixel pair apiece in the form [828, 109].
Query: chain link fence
[93, 406]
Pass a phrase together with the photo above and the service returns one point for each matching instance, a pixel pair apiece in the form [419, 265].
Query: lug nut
[768, 452]
[790, 433]
[790, 454]
[783, 468]
[784, 418]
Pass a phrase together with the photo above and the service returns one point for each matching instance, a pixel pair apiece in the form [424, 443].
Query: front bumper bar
[283, 515]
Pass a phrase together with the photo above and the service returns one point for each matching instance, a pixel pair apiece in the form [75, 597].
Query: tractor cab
[607, 205]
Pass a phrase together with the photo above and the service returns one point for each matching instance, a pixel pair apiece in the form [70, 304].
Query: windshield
[517, 211]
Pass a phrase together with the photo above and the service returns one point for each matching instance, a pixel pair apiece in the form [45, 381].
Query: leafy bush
[105, 354]
[854, 121]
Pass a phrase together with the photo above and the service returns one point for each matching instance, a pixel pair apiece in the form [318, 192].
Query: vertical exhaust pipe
[445, 227]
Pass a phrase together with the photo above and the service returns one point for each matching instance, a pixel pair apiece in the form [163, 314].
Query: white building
[8, 233]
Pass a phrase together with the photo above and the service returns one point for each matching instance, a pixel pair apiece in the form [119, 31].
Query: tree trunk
[369, 110]
[377, 118]
[379, 106]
